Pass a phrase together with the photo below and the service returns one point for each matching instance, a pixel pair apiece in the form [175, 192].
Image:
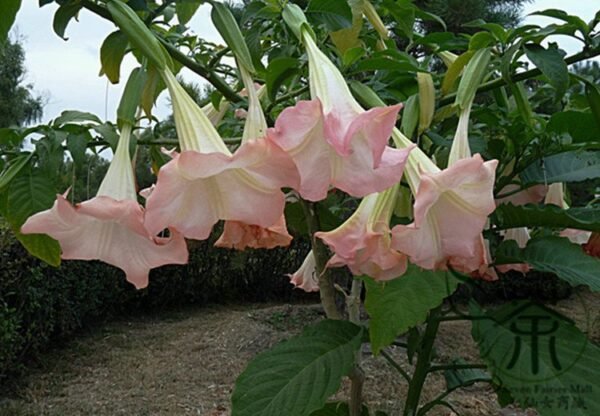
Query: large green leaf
[230, 31]
[397, 305]
[554, 255]
[280, 70]
[67, 11]
[333, 14]
[541, 358]
[75, 116]
[26, 195]
[582, 127]
[511, 216]
[297, 376]
[7, 17]
[112, 52]
[551, 63]
[13, 169]
[186, 9]
[563, 167]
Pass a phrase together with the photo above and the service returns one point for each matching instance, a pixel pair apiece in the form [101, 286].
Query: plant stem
[456, 367]
[423, 366]
[357, 376]
[186, 61]
[587, 53]
[326, 287]
[396, 366]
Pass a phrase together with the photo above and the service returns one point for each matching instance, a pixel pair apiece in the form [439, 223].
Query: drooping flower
[237, 234]
[333, 140]
[363, 241]
[451, 207]
[206, 182]
[110, 226]
[305, 277]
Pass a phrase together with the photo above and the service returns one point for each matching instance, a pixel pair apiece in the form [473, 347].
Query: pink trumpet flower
[305, 277]
[237, 234]
[110, 226]
[333, 140]
[451, 207]
[206, 182]
[363, 242]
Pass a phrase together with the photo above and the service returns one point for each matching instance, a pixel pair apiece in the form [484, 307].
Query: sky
[65, 73]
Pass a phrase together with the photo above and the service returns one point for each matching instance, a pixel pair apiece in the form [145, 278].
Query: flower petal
[108, 230]
[451, 209]
[239, 235]
[305, 277]
[299, 131]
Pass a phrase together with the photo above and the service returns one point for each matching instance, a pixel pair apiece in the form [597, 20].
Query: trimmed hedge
[40, 304]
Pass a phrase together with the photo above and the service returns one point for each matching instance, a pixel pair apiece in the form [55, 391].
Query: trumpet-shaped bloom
[305, 277]
[363, 241]
[450, 211]
[334, 141]
[110, 226]
[206, 182]
[237, 234]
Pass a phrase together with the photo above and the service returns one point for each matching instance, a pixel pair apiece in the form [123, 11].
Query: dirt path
[185, 363]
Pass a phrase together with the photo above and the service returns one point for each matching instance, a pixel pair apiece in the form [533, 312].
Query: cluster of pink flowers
[327, 142]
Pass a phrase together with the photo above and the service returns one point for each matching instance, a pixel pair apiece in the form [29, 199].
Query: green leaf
[108, 133]
[278, 72]
[333, 14]
[473, 75]
[582, 127]
[464, 377]
[138, 33]
[41, 246]
[230, 31]
[410, 115]
[112, 52]
[132, 94]
[77, 146]
[592, 93]
[403, 12]
[550, 61]
[565, 17]
[27, 195]
[186, 9]
[16, 165]
[399, 304]
[338, 409]
[563, 167]
[540, 357]
[455, 70]
[511, 216]
[67, 11]
[8, 16]
[297, 376]
[70, 116]
[481, 40]
[555, 255]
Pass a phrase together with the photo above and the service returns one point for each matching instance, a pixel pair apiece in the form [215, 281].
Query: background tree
[18, 103]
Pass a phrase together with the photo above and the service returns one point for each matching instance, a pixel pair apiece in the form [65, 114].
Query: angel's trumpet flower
[363, 241]
[237, 234]
[305, 277]
[333, 140]
[206, 182]
[110, 226]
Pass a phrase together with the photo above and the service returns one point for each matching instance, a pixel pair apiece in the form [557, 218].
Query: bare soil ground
[186, 362]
